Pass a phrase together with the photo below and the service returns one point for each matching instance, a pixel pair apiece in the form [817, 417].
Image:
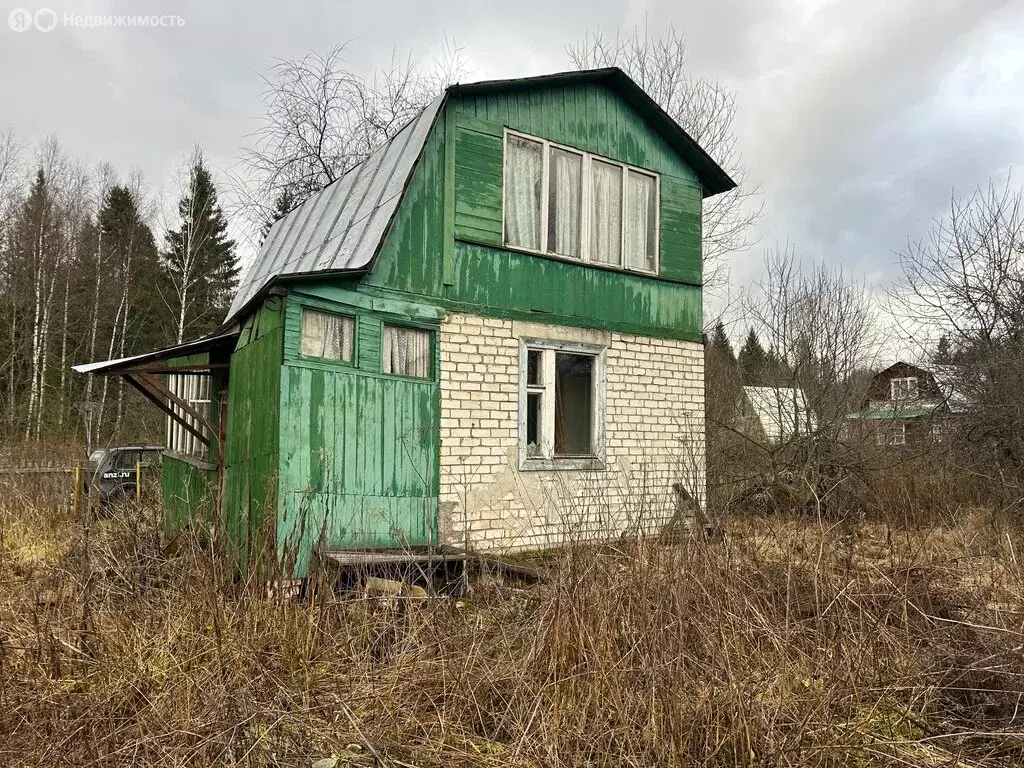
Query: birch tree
[199, 260]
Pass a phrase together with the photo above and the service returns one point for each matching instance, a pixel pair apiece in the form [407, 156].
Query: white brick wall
[654, 437]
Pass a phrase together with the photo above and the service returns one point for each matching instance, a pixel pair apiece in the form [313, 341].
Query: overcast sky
[857, 118]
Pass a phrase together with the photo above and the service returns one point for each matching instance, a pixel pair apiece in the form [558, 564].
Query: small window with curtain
[565, 201]
[327, 335]
[524, 177]
[640, 247]
[576, 205]
[406, 352]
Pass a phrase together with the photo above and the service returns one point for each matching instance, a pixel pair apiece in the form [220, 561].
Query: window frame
[899, 433]
[585, 205]
[196, 389]
[332, 361]
[904, 380]
[548, 461]
[431, 373]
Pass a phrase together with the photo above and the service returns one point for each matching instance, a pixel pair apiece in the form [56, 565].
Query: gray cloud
[856, 118]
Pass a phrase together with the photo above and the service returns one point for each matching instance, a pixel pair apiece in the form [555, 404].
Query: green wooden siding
[460, 273]
[359, 449]
[589, 118]
[502, 283]
[188, 493]
[478, 180]
[253, 425]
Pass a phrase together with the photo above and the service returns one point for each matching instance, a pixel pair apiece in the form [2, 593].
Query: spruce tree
[754, 363]
[723, 393]
[199, 260]
[131, 255]
[720, 342]
[283, 205]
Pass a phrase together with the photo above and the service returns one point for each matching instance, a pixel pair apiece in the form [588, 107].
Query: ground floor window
[406, 352]
[899, 433]
[194, 389]
[893, 433]
[561, 404]
[327, 335]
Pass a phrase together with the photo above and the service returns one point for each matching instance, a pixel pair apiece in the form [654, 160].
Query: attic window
[563, 202]
[904, 389]
[327, 335]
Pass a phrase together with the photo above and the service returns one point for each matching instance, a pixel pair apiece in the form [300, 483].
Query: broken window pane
[533, 369]
[574, 388]
[533, 422]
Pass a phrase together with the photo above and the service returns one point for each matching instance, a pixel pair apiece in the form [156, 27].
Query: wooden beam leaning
[156, 384]
[142, 382]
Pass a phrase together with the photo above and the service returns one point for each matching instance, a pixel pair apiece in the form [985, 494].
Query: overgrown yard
[787, 642]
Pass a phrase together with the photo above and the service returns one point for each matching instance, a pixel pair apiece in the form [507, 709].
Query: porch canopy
[140, 371]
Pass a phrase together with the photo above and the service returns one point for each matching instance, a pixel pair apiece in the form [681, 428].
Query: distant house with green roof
[904, 405]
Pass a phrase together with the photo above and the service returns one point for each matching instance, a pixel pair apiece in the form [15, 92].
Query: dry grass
[786, 643]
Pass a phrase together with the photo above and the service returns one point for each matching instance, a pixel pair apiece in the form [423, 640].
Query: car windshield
[96, 457]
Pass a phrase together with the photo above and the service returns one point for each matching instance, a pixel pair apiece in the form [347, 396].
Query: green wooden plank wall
[188, 494]
[253, 423]
[359, 458]
[189, 486]
[416, 262]
[590, 118]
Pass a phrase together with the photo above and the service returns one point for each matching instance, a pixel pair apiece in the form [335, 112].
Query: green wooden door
[359, 462]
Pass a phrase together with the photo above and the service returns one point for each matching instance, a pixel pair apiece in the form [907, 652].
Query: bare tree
[820, 334]
[965, 281]
[322, 119]
[706, 110]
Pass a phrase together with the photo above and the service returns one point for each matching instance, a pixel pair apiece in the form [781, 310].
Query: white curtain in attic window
[640, 221]
[327, 335]
[406, 352]
[524, 171]
[564, 203]
[606, 229]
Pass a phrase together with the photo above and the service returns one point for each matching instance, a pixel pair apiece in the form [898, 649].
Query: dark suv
[112, 471]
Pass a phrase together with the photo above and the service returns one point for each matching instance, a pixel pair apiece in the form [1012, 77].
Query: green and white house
[487, 335]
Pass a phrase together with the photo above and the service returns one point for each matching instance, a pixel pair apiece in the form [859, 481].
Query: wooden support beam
[157, 385]
[178, 368]
[160, 403]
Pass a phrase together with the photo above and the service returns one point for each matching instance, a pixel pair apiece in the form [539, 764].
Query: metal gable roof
[341, 227]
